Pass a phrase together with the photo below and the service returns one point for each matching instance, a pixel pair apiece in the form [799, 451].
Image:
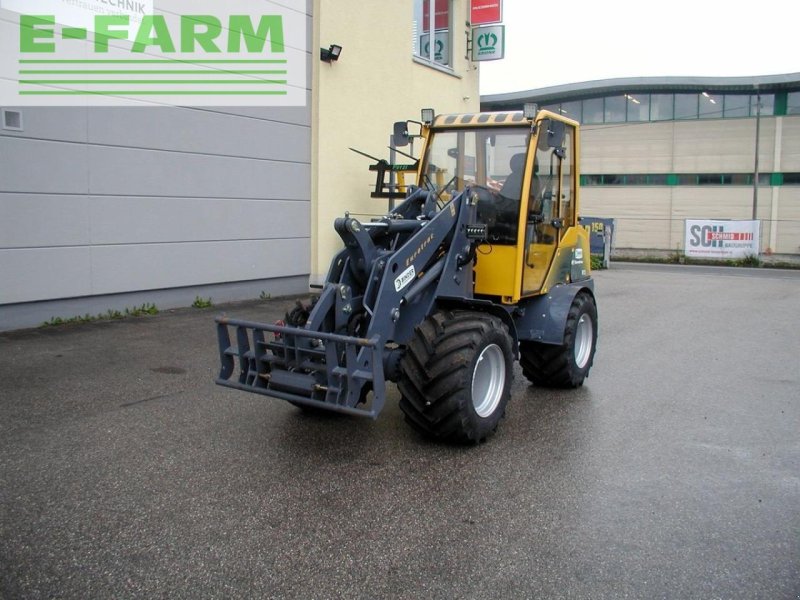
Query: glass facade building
[643, 107]
[623, 102]
[658, 151]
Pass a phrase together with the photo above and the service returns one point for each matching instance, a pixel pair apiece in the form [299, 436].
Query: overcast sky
[553, 43]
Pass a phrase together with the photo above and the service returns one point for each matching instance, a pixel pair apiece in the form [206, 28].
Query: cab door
[550, 200]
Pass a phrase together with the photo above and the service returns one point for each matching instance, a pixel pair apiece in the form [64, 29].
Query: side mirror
[555, 134]
[551, 134]
[401, 137]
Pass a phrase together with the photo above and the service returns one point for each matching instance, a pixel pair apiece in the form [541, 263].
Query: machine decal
[405, 278]
[419, 250]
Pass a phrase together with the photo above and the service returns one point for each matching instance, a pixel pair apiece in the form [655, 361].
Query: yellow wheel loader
[480, 264]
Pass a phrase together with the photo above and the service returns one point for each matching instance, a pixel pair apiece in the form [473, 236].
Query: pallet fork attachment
[315, 369]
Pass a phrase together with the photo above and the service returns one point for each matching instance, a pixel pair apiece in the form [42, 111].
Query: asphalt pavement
[673, 473]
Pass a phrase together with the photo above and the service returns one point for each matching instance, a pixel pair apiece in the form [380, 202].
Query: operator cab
[523, 174]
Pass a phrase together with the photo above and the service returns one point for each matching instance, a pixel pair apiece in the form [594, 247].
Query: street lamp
[755, 167]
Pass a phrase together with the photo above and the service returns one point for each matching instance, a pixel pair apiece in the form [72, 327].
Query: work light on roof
[529, 110]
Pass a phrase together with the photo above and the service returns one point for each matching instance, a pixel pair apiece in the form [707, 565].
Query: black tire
[456, 376]
[567, 365]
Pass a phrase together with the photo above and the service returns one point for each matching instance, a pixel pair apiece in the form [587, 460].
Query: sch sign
[721, 239]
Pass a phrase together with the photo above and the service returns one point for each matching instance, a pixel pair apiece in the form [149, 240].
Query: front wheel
[567, 365]
[456, 376]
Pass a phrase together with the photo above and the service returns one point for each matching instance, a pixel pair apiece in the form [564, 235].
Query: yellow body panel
[495, 271]
[574, 237]
[537, 262]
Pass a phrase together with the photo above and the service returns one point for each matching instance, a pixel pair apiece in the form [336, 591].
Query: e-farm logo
[208, 57]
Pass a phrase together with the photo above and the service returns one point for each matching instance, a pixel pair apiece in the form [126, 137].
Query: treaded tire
[567, 365]
[453, 356]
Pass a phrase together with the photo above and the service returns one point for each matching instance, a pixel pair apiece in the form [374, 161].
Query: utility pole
[755, 168]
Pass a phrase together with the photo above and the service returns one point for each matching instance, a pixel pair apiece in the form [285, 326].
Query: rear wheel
[456, 376]
[567, 365]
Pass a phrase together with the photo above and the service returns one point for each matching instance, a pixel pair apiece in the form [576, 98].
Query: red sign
[483, 12]
[442, 16]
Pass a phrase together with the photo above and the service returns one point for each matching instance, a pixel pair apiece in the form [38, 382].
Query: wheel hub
[488, 380]
[583, 341]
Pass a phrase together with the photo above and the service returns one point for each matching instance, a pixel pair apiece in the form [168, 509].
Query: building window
[741, 179]
[433, 46]
[636, 179]
[791, 179]
[685, 106]
[767, 105]
[792, 103]
[736, 106]
[593, 111]
[713, 179]
[657, 179]
[661, 107]
[638, 107]
[690, 179]
[710, 106]
[572, 110]
[591, 180]
[615, 109]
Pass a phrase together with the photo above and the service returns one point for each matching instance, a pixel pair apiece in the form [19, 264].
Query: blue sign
[596, 228]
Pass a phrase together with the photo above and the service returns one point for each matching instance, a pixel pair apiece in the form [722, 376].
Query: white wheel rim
[583, 341]
[488, 380]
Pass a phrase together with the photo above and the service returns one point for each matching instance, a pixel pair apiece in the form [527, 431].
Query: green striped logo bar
[215, 55]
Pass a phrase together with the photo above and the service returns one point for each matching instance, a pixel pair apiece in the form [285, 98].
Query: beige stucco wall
[790, 144]
[653, 217]
[357, 99]
[788, 222]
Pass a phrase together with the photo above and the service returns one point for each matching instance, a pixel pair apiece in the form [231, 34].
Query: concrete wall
[106, 207]
[99, 201]
[786, 211]
[652, 216]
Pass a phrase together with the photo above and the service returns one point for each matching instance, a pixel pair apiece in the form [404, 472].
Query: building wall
[107, 208]
[785, 213]
[788, 222]
[651, 217]
[357, 99]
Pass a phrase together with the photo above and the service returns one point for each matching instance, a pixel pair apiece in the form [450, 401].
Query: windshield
[491, 158]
